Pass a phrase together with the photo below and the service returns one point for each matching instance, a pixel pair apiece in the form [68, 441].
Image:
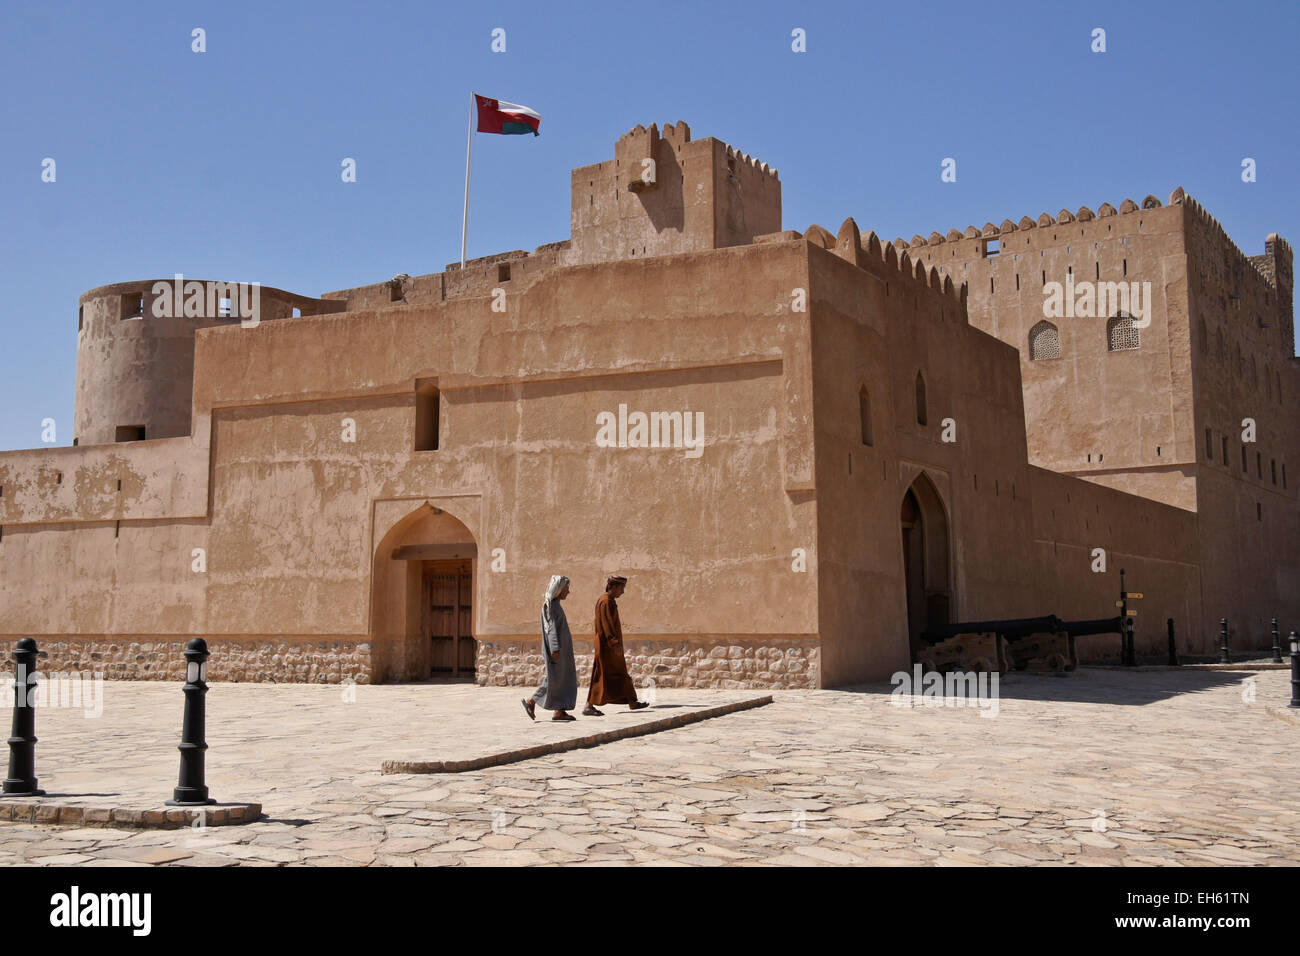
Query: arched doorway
[925, 560]
[424, 576]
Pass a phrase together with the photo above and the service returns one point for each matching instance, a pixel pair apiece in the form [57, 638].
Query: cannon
[1011, 644]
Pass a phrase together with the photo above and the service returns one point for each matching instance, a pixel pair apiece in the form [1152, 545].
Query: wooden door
[449, 617]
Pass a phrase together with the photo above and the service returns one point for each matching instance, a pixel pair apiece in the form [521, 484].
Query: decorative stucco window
[1121, 334]
[1044, 342]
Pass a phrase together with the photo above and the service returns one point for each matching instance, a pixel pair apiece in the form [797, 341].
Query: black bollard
[191, 791]
[1224, 656]
[21, 781]
[1295, 669]
[1173, 644]
[1277, 648]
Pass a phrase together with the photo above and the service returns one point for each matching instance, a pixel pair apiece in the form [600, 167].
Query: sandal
[529, 708]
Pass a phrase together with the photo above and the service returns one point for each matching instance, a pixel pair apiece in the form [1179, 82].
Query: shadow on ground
[1090, 686]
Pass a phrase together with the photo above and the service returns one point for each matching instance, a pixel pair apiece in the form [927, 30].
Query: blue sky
[226, 164]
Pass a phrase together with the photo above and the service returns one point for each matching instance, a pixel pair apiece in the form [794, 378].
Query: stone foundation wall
[730, 663]
[305, 660]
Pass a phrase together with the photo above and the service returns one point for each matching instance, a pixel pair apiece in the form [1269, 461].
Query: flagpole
[464, 222]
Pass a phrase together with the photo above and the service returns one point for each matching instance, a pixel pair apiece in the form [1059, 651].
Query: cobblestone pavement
[1099, 767]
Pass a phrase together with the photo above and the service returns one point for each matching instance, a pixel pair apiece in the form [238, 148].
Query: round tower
[135, 352]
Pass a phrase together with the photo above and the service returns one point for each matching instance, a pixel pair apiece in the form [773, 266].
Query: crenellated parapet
[1045, 220]
[665, 193]
[752, 162]
[643, 142]
[1274, 266]
[1084, 214]
[890, 261]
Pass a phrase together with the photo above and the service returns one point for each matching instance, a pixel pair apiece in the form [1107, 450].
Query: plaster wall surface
[295, 475]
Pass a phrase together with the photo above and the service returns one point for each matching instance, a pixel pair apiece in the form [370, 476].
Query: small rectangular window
[133, 305]
[1225, 450]
[427, 412]
[864, 413]
[1272, 465]
[81, 317]
[129, 433]
[1209, 444]
[992, 247]
[503, 272]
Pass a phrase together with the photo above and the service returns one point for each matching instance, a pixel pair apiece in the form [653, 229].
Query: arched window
[1044, 342]
[1121, 335]
[864, 413]
[921, 416]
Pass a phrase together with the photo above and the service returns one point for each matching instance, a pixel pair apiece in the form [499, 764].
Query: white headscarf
[558, 583]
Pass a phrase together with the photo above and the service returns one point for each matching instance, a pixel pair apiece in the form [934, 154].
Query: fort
[350, 465]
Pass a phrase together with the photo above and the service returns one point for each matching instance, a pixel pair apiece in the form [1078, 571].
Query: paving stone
[1185, 775]
[862, 811]
[145, 854]
[62, 859]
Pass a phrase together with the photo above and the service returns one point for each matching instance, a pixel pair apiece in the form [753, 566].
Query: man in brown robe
[610, 683]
